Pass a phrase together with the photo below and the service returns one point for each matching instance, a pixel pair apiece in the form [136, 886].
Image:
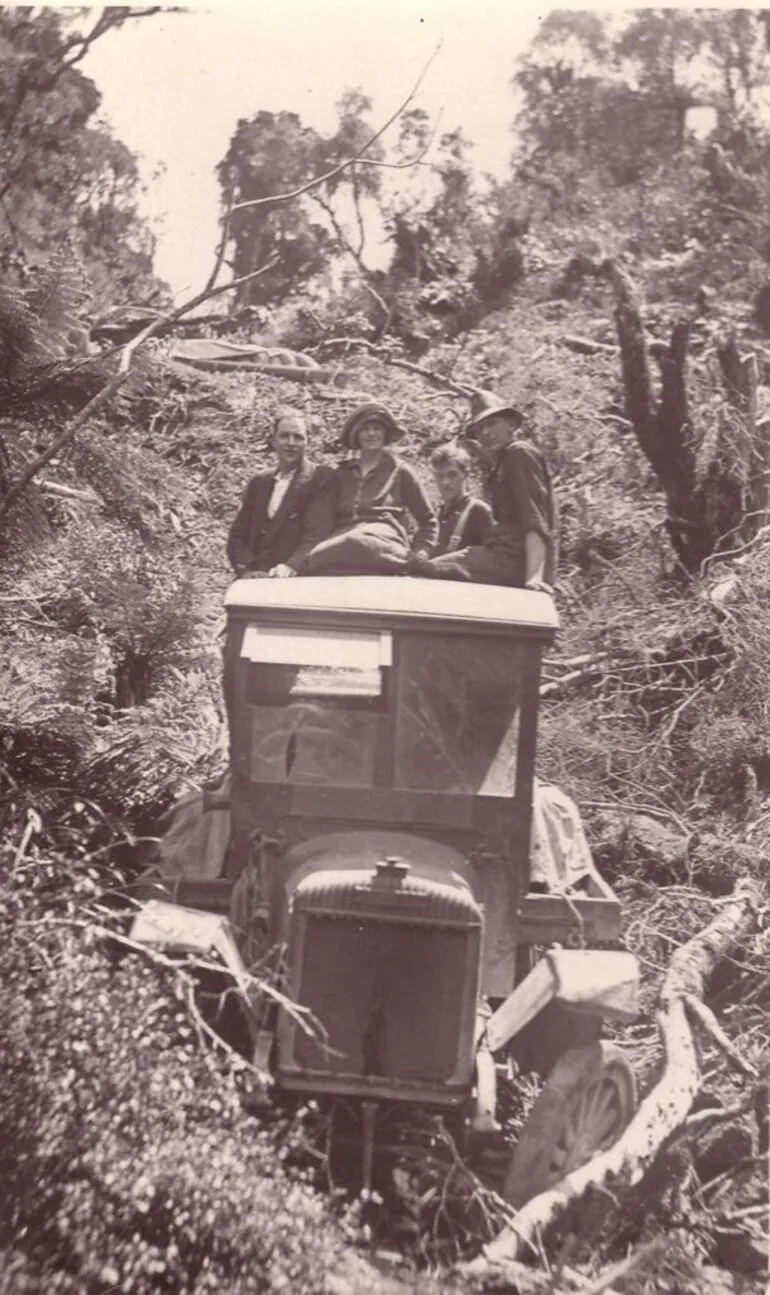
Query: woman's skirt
[364, 548]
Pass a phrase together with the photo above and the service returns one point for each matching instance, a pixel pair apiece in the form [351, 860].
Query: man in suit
[286, 510]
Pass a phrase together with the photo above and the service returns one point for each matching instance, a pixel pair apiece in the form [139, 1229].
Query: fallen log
[294, 372]
[665, 1108]
[587, 345]
[592, 666]
[68, 492]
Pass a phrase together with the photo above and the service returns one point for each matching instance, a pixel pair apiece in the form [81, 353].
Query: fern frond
[40, 325]
[58, 296]
[18, 336]
[137, 486]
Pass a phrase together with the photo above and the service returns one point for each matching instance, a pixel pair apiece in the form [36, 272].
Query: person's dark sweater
[519, 489]
[463, 521]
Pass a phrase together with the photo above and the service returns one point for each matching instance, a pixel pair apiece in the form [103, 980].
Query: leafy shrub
[110, 676]
[127, 1159]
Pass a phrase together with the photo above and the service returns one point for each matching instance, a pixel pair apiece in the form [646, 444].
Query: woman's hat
[365, 413]
[485, 404]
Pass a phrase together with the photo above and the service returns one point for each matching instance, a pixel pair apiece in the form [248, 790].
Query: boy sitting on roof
[521, 549]
[462, 519]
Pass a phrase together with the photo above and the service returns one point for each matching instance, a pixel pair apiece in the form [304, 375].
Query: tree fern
[19, 330]
[44, 341]
[58, 296]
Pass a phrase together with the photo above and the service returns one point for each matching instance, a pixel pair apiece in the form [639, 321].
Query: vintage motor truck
[394, 864]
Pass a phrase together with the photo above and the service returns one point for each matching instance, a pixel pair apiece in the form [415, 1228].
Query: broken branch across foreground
[127, 355]
[666, 1107]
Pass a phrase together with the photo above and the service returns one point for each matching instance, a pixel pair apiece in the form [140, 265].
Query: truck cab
[392, 859]
[374, 704]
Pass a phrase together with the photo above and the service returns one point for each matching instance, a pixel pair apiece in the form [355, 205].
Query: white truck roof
[398, 598]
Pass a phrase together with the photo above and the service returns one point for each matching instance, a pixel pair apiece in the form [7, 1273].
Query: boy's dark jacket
[305, 516]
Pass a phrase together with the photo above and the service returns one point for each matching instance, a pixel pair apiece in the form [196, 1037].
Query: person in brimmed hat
[378, 494]
[521, 549]
[284, 510]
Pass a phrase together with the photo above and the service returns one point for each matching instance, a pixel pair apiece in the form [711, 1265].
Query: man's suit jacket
[305, 516]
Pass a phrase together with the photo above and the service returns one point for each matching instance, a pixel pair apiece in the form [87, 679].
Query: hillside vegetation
[134, 1166]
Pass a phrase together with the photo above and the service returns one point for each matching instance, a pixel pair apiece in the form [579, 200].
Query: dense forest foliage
[616, 284]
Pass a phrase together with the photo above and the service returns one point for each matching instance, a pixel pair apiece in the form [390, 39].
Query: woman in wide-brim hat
[380, 501]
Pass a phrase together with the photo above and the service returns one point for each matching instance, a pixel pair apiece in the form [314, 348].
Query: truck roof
[391, 599]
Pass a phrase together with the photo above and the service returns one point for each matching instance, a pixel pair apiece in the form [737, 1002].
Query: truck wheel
[585, 1104]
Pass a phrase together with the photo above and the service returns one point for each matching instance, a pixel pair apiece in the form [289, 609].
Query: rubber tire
[587, 1101]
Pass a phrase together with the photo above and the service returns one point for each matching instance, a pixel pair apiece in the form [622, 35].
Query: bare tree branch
[14, 493]
[110, 19]
[406, 162]
[219, 255]
[364, 273]
[359, 251]
[436, 379]
[356, 157]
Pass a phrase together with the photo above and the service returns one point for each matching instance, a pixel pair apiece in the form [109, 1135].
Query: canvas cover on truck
[195, 842]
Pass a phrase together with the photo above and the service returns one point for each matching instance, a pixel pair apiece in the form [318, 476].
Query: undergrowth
[134, 1167]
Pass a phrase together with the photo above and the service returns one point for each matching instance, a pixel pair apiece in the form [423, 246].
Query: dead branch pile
[684, 1022]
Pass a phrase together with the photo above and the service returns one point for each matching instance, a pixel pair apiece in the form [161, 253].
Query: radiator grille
[390, 996]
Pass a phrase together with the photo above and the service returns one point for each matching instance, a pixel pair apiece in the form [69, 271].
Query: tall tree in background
[427, 228]
[453, 253]
[273, 153]
[456, 252]
[609, 95]
[64, 178]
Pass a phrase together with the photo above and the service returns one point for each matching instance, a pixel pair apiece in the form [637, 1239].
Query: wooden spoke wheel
[585, 1104]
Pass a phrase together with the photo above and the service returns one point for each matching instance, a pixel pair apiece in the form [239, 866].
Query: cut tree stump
[665, 1108]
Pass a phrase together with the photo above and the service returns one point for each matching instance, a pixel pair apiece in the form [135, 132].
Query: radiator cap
[391, 872]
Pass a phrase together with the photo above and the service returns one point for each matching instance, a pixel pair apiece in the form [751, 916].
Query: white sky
[174, 86]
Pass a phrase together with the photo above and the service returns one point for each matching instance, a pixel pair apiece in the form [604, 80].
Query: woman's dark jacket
[391, 493]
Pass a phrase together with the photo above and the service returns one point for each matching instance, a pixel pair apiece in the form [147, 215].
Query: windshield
[317, 700]
[458, 712]
[331, 708]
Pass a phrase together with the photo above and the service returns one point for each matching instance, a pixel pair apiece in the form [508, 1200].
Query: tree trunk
[713, 505]
[738, 427]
